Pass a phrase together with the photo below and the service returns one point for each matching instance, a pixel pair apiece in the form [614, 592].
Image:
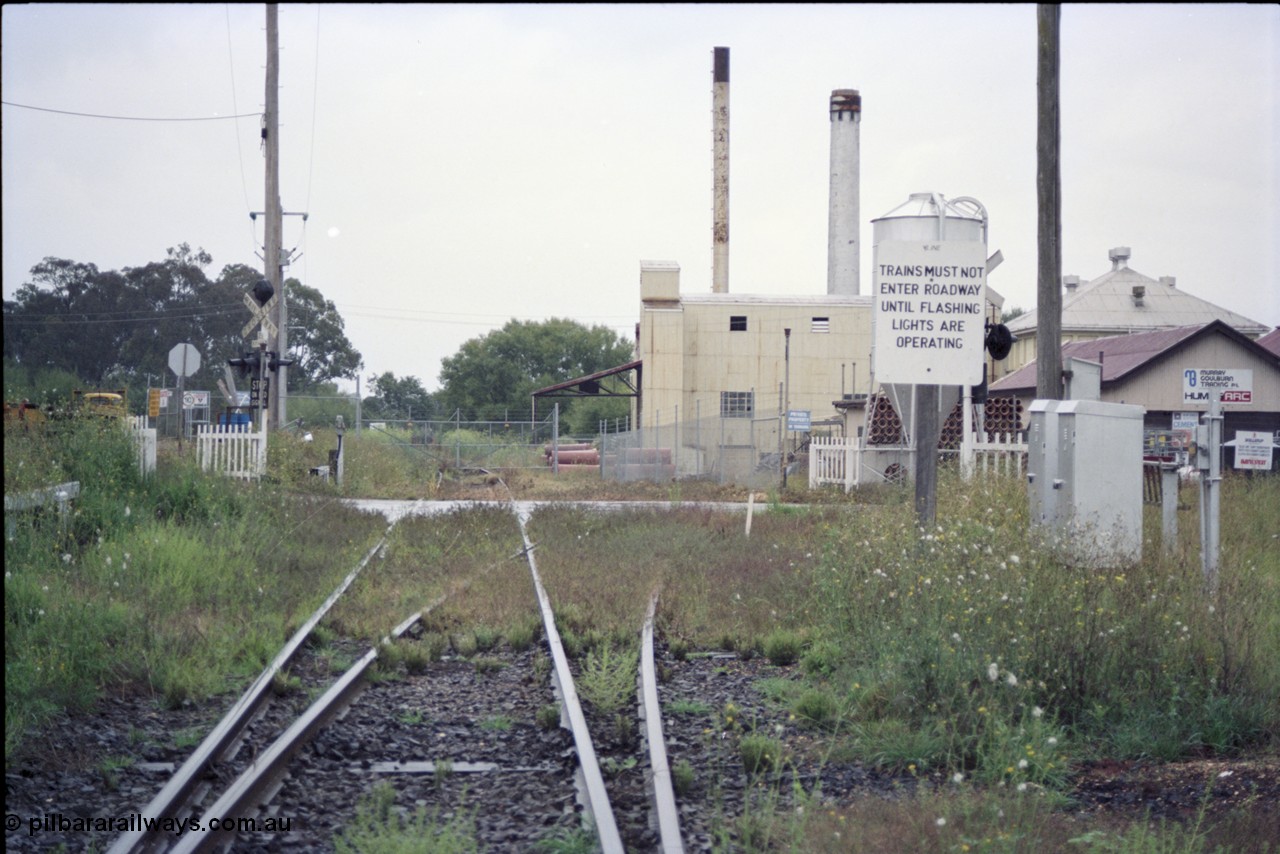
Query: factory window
[737, 323]
[736, 404]
[821, 325]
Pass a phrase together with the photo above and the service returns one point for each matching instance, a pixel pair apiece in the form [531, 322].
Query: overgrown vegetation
[969, 656]
[181, 584]
[379, 826]
[973, 648]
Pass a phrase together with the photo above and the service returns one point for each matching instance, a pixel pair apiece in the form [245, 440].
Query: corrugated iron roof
[1270, 341]
[1123, 354]
[1107, 304]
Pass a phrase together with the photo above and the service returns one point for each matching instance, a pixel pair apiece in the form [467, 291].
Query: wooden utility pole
[927, 435]
[274, 216]
[1049, 197]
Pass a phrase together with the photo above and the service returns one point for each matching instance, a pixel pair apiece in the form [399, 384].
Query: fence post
[555, 438]
[697, 437]
[966, 435]
[1169, 506]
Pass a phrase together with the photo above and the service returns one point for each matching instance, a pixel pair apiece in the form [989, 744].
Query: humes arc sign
[929, 312]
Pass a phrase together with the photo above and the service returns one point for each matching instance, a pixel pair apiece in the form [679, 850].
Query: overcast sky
[465, 165]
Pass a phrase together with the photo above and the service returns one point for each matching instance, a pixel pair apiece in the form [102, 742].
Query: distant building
[1149, 369]
[1120, 302]
[713, 355]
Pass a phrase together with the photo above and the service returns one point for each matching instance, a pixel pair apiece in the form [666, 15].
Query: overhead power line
[129, 118]
[82, 317]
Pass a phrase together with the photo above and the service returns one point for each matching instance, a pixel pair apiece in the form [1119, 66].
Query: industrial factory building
[731, 386]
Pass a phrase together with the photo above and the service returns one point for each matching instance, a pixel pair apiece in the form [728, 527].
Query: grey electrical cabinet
[1042, 462]
[1084, 469]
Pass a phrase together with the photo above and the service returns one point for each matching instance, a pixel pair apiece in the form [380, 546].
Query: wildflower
[941, 821]
[66, 557]
[1015, 560]
[1022, 787]
[1053, 740]
[1022, 764]
[1011, 679]
[108, 560]
[1037, 712]
[993, 671]
[957, 778]
[127, 511]
[955, 636]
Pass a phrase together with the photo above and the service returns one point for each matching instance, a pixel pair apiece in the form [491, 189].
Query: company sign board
[1253, 450]
[929, 312]
[799, 420]
[1235, 385]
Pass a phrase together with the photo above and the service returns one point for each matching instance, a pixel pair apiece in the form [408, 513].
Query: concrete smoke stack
[720, 171]
[843, 224]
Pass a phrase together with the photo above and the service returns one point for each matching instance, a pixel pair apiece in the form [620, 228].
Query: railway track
[521, 765]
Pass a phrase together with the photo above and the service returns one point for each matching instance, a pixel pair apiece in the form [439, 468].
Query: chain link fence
[745, 451]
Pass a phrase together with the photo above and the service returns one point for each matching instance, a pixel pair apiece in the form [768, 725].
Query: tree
[1010, 313]
[495, 374]
[398, 399]
[117, 327]
[317, 339]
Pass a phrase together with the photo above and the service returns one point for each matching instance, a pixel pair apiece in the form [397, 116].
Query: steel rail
[597, 803]
[664, 799]
[247, 791]
[171, 799]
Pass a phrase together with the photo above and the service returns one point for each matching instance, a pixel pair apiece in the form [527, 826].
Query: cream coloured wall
[691, 355]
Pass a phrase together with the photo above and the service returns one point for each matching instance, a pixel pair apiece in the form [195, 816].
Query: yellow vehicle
[100, 403]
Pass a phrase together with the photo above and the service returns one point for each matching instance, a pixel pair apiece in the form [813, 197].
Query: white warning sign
[1253, 450]
[929, 312]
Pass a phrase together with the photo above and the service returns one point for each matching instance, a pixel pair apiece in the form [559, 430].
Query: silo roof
[922, 205]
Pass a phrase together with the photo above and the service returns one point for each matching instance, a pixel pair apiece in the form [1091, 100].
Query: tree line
[112, 328]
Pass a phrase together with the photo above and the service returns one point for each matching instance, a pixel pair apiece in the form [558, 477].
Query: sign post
[929, 330]
[184, 360]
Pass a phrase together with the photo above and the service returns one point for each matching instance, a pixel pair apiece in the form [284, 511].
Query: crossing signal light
[263, 291]
[275, 362]
[250, 363]
[999, 340]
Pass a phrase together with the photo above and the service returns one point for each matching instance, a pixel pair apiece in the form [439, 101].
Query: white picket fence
[231, 450]
[144, 440]
[841, 461]
[1004, 454]
[834, 460]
